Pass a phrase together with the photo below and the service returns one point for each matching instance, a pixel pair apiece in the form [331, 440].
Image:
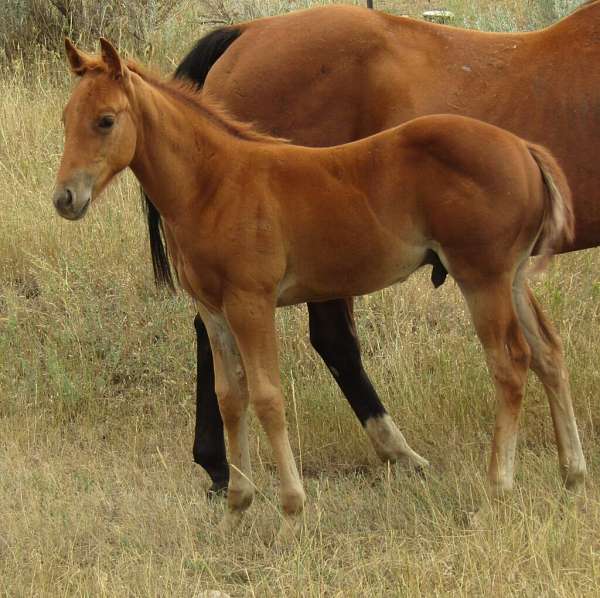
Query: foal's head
[100, 131]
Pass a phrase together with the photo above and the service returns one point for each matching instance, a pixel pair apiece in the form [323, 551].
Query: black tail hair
[194, 66]
[205, 53]
[158, 249]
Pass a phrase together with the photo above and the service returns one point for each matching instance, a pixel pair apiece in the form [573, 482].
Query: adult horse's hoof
[420, 471]
[390, 445]
[217, 490]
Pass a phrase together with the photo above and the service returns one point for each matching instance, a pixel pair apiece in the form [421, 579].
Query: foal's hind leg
[547, 362]
[507, 355]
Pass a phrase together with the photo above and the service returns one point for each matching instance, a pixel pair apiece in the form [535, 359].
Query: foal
[256, 223]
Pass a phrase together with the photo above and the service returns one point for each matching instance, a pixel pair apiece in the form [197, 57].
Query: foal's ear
[78, 60]
[116, 67]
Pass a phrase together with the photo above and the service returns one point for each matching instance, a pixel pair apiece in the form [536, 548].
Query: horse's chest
[199, 272]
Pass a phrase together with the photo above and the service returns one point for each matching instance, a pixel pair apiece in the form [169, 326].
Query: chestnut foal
[255, 223]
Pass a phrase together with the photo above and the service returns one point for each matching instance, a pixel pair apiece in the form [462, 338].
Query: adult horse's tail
[194, 66]
[558, 224]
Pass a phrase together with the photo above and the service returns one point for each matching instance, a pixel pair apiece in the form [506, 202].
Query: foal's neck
[178, 150]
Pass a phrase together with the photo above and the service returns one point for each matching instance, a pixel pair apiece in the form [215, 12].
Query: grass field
[98, 492]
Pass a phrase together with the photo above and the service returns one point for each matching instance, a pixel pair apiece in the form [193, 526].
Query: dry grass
[98, 493]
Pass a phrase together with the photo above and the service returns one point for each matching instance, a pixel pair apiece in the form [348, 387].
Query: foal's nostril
[72, 202]
[64, 199]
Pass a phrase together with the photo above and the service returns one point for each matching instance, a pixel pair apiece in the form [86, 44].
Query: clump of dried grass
[30, 26]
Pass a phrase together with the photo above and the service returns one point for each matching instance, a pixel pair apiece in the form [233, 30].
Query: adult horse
[320, 223]
[341, 73]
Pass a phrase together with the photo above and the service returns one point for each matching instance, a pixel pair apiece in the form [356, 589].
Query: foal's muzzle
[73, 198]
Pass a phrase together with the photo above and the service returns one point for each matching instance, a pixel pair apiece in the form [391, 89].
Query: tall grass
[98, 494]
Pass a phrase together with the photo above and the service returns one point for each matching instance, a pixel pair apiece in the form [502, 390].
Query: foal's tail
[558, 223]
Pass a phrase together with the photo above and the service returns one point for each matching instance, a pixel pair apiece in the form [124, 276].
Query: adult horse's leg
[547, 362]
[209, 442]
[333, 335]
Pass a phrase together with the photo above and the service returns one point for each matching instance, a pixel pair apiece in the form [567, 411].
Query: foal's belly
[334, 277]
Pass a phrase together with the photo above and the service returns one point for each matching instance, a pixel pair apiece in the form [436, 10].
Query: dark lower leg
[209, 442]
[333, 335]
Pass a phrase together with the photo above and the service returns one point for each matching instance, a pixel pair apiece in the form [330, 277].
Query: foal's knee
[519, 354]
[268, 406]
[229, 406]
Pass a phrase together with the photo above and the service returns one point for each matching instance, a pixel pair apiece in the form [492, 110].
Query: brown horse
[341, 73]
[254, 223]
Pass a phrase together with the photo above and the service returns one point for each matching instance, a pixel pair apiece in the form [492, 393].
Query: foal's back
[361, 216]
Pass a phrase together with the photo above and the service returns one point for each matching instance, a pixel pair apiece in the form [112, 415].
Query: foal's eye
[106, 122]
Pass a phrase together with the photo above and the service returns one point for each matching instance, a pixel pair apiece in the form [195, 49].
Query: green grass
[98, 492]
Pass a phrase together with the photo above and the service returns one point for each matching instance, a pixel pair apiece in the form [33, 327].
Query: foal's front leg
[252, 321]
[232, 393]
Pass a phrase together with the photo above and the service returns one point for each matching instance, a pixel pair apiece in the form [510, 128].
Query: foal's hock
[255, 223]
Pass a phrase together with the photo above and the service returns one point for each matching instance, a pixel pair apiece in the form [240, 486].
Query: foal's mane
[186, 92]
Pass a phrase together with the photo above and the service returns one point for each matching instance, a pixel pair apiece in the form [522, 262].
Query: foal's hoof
[230, 522]
[477, 521]
[574, 479]
[217, 490]
[290, 530]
